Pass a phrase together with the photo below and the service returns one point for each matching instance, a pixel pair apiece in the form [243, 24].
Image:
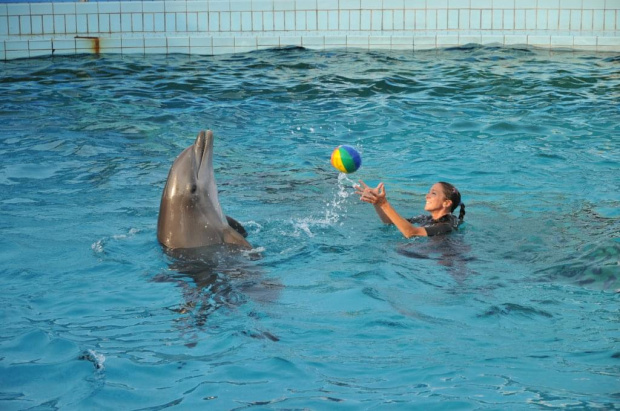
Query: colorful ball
[346, 159]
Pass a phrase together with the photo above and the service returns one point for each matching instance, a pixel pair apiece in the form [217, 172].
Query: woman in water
[441, 201]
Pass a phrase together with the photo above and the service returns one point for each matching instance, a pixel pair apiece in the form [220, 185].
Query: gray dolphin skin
[190, 215]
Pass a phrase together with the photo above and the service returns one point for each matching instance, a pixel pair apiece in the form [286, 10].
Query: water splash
[336, 208]
[333, 211]
[96, 358]
[99, 246]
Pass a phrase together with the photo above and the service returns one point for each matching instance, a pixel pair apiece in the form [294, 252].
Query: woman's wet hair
[452, 194]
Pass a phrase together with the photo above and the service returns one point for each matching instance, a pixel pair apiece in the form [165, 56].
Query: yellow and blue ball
[346, 159]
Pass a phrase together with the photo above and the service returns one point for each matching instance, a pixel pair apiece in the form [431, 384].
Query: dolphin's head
[191, 180]
[190, 214]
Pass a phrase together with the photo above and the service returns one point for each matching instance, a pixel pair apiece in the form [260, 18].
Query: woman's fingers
[381, 189]
[368, 194]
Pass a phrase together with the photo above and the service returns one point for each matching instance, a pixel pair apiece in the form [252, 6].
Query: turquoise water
[516, 311]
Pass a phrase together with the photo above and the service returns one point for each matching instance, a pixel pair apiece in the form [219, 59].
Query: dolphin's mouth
[202, 149]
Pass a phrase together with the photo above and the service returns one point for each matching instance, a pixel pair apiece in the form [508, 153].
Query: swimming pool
[516, 311]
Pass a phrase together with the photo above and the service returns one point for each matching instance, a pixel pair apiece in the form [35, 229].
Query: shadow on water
[216, 278]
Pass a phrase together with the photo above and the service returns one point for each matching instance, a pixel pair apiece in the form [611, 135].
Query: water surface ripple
[516, 311]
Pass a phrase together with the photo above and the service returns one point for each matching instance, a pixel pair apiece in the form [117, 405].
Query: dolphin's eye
[194, 188]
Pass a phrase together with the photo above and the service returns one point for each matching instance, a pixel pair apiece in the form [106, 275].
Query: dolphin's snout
[203, 147]
[208, 140]
[199, 146]
[204, 139]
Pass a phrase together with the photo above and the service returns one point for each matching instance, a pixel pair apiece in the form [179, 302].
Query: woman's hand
[376, 196]
[370, 195]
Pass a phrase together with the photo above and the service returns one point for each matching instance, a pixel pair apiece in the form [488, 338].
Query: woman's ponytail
[462, 212]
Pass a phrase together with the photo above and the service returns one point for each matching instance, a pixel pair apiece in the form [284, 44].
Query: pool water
[518, 310]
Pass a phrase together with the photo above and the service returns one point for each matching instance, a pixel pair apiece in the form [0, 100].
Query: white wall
[228, 26]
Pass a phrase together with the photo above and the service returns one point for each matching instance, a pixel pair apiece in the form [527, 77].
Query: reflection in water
[214, 278]
[450, 251]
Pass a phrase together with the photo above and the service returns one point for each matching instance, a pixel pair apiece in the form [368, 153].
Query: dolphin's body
[190, 215]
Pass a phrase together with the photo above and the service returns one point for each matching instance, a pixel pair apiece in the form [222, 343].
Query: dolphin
[190, 215]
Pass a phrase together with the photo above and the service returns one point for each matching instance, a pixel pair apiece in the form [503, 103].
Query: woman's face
[435, 199]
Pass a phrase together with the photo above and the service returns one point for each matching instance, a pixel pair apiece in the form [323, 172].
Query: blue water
[516, 311]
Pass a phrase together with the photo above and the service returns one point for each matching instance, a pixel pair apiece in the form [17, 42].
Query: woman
[441, 201]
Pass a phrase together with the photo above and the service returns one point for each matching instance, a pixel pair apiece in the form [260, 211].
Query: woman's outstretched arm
[377, 197]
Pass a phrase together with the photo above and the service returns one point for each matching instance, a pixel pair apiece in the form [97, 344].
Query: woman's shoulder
[421, 219]
[448, 219]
